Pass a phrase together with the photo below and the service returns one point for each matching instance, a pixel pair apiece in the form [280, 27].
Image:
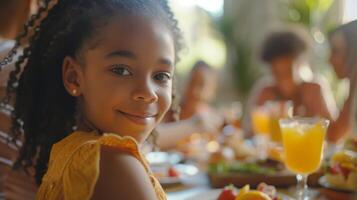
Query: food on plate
[228, 193]
[342, 172]
[254, 195]
[172, 172]
[166, 172]
[241, 149]
[275, 153]
[222, 155]
[242, 167]
[263, 192]
[243, 191]
[351, 143]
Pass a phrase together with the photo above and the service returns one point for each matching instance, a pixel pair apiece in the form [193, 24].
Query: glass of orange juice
[261, 127]
[278, 109]
[303, 141]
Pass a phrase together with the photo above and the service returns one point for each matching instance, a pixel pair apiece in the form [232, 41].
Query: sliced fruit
[242, 191]
[173, 172]
[228, 193]
[255, 195]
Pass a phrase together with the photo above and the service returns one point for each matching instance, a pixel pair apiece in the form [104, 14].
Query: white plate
[163, 158]
[185, 171]
[213, 195]
[324, 183]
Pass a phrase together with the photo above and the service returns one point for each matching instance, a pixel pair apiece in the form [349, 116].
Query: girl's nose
[145, 92]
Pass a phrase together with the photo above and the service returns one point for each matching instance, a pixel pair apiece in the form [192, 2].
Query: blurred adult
[343, 58]
[16, 185]
[282, 52]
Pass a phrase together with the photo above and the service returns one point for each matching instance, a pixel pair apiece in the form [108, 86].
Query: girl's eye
[121, 70]
[162, 77]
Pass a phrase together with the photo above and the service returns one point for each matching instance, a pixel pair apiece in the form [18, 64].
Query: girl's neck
[86, 126]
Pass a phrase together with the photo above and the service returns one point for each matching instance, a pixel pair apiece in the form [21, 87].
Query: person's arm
[314, 101]
[19, 186]
[341, 126]
[122, 176]
[170, 133]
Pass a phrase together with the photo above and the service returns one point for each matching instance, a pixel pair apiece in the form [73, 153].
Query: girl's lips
[138, 119]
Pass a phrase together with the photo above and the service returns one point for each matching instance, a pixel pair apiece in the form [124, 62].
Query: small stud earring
[74, 92]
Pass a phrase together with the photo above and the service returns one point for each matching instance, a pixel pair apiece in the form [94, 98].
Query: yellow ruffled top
[74, 166]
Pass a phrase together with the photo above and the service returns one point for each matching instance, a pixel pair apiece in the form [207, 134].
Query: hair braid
[19, 39]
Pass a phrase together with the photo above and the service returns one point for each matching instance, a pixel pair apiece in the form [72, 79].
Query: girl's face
[202, 86]
[125, 81]
[282, 71]
[338, 56]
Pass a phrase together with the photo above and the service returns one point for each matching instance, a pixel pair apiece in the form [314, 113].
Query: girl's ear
[71, 75]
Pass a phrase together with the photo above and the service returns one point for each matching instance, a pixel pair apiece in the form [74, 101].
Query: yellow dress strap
[126, 144]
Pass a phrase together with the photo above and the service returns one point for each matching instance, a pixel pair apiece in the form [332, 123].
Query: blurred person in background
[200, 90]
[343, 58]
[196, 113]
[13, 15]
[282, 51]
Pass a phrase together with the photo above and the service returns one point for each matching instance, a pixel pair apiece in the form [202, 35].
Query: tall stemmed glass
[303, 141]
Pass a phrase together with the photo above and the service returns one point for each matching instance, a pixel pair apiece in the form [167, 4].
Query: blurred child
[196, 114]
[200, 90]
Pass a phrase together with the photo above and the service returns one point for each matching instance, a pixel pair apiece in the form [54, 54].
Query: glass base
[311, 194]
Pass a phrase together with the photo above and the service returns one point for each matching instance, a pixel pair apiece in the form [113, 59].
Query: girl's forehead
[142, 36]
[132, 30]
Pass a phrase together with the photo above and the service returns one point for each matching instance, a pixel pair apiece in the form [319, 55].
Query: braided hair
[44, 113]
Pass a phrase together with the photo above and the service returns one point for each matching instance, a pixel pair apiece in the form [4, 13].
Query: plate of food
[241, 173]
[341, 174]
[174, 174]
[222, 172]
[262, 192]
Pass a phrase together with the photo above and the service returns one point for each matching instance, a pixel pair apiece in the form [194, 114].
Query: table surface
[191, 187]
[199, 184]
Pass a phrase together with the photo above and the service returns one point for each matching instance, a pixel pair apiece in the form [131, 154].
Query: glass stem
[301, 186]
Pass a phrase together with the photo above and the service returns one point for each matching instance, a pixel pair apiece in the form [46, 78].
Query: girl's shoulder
[74, 164]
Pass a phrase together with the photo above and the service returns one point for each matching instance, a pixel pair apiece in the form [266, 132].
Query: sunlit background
[227, 34]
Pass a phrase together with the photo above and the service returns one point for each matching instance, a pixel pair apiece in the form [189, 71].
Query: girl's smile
[139, 118]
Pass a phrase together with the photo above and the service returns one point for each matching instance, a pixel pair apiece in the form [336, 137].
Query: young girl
[97, 79]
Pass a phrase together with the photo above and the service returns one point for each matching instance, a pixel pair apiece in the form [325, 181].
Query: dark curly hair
[283, 43]
[349, 32]
[44, 112]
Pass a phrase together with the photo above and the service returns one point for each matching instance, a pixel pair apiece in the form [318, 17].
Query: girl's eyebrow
[122, 53]
[131, 55]
[167, 62]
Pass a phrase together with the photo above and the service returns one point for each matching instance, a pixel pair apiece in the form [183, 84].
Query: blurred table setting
[273, 163]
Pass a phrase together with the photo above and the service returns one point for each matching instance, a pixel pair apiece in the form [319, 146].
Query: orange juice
[303, 147]
[275, 133]
[261, 122]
